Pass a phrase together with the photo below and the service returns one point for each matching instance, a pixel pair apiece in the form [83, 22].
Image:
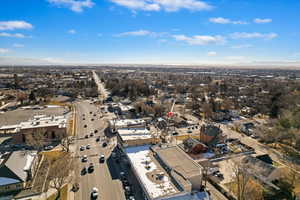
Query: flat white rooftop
[147, 168]
[134, 133]
[126, 122]
[39, 121]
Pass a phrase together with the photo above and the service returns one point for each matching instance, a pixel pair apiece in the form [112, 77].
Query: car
[82, 148]
[104, 144]
[91, 168]
[131, 198]
[85, 126]
[128, 191]
[91, 112]
[86, 136]
[92, 119]
[48, 147]
[122, 175]
[84, 158]
[83, 171]
[98, 139]
[94, 115]
[125, 182]
[102, 158]
[95, 131]
[92, 134]
[88, 146]
[94, 193]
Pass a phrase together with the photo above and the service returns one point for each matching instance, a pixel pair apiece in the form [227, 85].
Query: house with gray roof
[15, 170]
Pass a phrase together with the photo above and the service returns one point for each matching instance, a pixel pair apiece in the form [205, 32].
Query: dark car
[91, 168]
[86, 136]
[104, 144]
[83, 171]
[85, 126]
[95, 131]
[97, 139]
[92, 119]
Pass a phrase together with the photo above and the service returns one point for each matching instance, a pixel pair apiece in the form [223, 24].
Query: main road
[89, 115]
[90, 119]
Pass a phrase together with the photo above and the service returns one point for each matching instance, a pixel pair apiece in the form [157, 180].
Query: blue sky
[150, 31]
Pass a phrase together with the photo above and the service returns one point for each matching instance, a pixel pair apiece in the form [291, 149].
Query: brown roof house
[211, 134]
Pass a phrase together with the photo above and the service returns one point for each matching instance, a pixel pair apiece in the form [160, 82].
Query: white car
[84, 158]
[82, 148]
[102, 158]
[94, 193]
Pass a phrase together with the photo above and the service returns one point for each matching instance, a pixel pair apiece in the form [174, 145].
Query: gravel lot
[20, 115]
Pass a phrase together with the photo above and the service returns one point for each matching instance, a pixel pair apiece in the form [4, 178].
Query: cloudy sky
[149, 31]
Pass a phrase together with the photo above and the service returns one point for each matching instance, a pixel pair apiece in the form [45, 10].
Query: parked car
[88, 146]
[86, 136]
[128, 191]
[85, 126]
[92, 134]
[47, 148]
[95, 131]
[98, 139]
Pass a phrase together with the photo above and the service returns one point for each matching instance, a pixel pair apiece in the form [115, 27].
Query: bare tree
[36, 139]
[65, 143]
[59, 172]
[241, 177]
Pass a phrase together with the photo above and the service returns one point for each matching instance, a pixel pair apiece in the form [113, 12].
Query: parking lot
[19, 115]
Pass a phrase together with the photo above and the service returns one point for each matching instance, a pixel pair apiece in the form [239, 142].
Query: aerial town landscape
[149, 100]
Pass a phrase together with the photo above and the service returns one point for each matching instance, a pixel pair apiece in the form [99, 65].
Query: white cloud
[12, 25]
[240, 35]
[201, 39]
[241, 46]
[262, 21]
[221, 20]
[15, 35]
[142, 33]
[212, 53]
[166, 5]
[74, 5]
[72, 31]
[18, 45]
[2, 51]
[135, 33]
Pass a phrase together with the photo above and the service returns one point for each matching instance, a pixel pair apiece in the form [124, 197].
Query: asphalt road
[101, 177]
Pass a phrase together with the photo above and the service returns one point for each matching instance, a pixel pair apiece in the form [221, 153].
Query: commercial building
[53, 127]
[126, 123]
[135, 136]
[166, 173]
